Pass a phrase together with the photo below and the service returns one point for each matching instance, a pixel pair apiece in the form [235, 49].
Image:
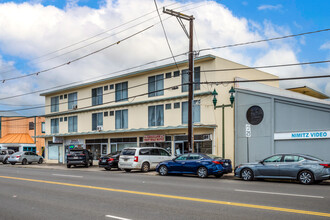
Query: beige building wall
[138, 112]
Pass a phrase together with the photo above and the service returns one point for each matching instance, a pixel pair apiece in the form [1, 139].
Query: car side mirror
[173, 159]
[262, 162]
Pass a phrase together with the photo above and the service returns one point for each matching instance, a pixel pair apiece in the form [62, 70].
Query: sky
[38, 35]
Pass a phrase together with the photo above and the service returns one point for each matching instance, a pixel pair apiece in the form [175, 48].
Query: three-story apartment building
[144, 108]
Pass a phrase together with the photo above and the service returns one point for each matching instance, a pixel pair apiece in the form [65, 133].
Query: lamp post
[223, 106]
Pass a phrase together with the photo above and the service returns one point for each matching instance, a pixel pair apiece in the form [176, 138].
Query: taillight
[110, 159]
[82, 154]
[136, 159]
[217, 162]
[18, 156]
[325, 165]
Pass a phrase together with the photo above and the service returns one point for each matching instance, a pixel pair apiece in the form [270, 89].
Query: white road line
[67, 175]
[283, 194]
[116, 217]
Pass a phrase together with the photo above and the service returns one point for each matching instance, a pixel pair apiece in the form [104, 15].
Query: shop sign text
[154, 138]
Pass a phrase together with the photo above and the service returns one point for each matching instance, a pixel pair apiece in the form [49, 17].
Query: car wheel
[305, 177]
[202, 172]
[12, 163]
[68, 166]
[40, 161]
[145, 167]
[218, 175]
[247, 174]
[107, 168]
[127, 170]
[163, 170]
[5, 161]
[24, 161]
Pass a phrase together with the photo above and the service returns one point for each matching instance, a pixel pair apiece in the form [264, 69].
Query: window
[65, 96]
[54, 125]
[106, 88]
[156, 85]
[156, 115]
[65, 118]
[154, 152]
[196, 112]
[292, 158]
[168, 75]
[97, 120]
[72, 100]
[121, 92]
[97, 96]
[182, 157]
[168, 106]
[111, 86]
[61, 97]
[112, 113]
[122, 119]
[273, 159]
[194, 157]
[43, 128]
[185, 79]
[177, 105]
[176, 73]
[54, 103]
[61, 119]
[72, 124]
[144, 152]
[31, 126]
[105, 114]
[163, 152]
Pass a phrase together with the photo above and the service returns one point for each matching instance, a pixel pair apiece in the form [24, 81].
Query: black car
[79, 156]
[109, 161]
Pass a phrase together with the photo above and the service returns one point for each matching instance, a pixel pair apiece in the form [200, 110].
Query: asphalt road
[30, 193]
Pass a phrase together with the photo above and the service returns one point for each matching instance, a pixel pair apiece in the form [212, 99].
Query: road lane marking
[67, 175]
[116, 217]
[296, 211]
[283, 194]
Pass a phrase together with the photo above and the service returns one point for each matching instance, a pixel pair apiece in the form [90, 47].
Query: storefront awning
[127, 130]
[20, 138]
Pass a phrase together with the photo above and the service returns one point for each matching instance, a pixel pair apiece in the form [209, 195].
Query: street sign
[247, 130]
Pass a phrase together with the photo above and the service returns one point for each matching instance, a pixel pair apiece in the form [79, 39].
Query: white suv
[144, 159]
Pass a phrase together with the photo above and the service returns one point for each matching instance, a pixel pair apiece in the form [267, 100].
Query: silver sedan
[24, 158]
[304, 168]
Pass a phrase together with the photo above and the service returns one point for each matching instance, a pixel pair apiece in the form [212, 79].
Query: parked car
[4, 155]
[304, 168]
[201, 165]
[24, 158]
[143, 159]
[110, 161]
[79, 156]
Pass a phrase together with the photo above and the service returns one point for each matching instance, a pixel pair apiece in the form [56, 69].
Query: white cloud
[269, 7]
[32, 30]
[325, 46]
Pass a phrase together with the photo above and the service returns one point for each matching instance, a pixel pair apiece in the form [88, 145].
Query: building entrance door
[113, 147]
[179, 148]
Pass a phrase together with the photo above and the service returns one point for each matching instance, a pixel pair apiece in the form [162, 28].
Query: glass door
[179, 148]
[113, 147]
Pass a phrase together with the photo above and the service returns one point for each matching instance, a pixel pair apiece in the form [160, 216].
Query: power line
[265, 40]
[79, 58]
[219, 70]
[168, 43]
[270, 66]
[168, 88]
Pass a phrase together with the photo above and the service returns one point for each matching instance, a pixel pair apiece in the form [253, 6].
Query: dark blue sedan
[198, 164]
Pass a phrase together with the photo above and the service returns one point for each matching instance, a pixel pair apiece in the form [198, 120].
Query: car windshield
[213, 157]
[76, 152]
[130, 152]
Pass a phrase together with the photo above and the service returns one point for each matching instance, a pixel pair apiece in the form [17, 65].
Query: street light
[223, 106]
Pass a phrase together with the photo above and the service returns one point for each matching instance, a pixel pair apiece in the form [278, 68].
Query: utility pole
[191, 18]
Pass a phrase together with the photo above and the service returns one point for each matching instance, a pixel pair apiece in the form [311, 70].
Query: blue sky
[31, 29]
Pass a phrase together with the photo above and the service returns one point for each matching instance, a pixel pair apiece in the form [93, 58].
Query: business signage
[302, 135]
[57, 140]
[154, 138]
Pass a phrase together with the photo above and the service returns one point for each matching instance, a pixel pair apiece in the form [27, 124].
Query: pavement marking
[116, 217]
[67, 175]
[296, 211]
[283, 194]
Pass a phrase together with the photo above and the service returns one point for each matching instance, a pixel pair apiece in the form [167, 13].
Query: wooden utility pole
[191, 18]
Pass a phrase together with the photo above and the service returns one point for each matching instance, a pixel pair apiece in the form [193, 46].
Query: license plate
[75, 157]
[226, 164]
[103, 160]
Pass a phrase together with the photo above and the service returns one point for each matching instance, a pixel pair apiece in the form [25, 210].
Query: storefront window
[53, 152]
[123, 143]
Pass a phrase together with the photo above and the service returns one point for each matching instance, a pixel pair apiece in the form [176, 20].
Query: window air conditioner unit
[75, 107]
[99, 128]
